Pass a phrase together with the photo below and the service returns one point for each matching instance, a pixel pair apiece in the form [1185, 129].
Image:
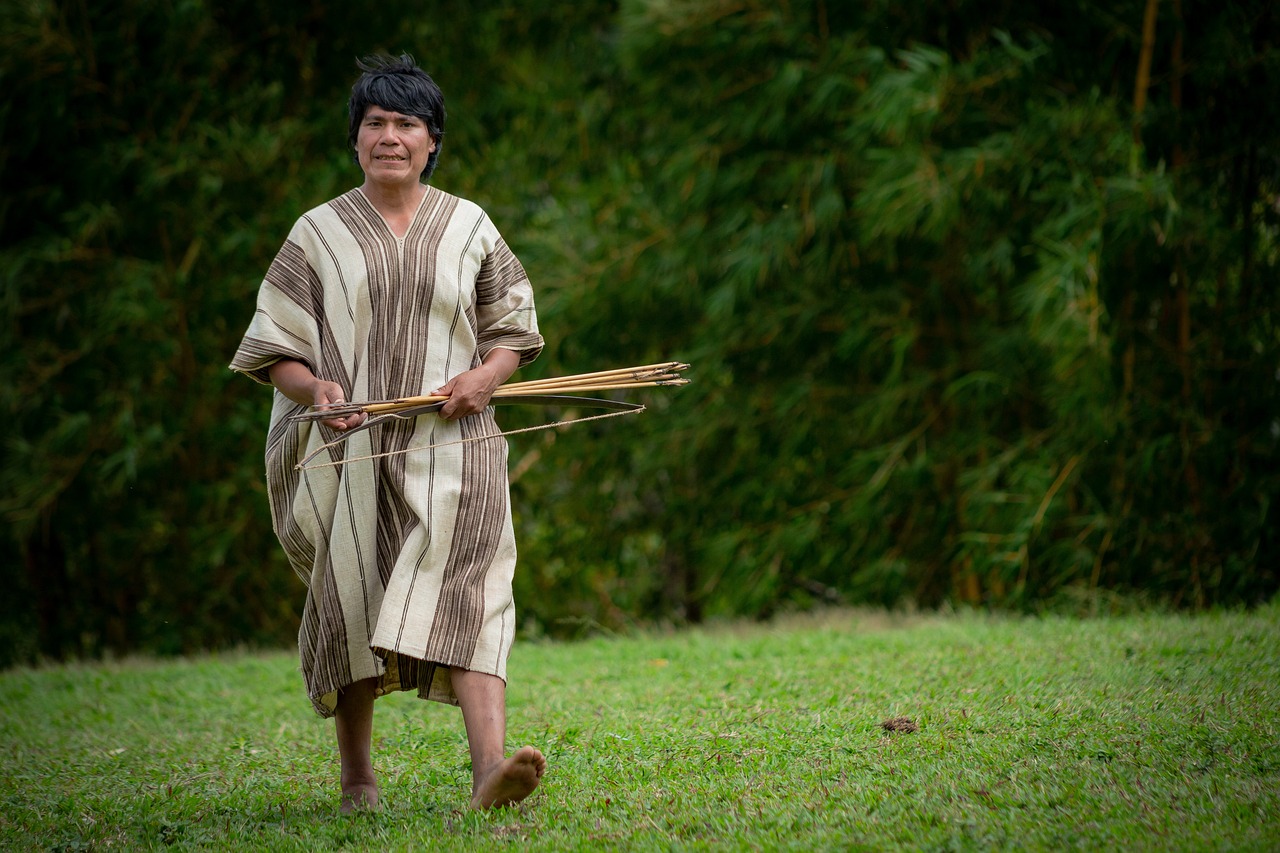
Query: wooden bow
[548, 392]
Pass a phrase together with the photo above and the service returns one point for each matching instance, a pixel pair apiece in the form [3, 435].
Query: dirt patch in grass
[904, 725]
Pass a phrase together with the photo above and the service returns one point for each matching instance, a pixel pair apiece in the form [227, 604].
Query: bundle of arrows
[564, 391]
[547, 391]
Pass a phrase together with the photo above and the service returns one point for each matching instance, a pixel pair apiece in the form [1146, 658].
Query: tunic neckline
[387, 225]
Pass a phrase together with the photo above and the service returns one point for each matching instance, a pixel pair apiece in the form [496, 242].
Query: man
[395, 289]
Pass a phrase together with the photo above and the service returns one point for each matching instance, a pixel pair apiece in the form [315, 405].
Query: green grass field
[1146, 732]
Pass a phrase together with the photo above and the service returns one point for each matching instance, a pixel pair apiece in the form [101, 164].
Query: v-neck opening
[399, 238]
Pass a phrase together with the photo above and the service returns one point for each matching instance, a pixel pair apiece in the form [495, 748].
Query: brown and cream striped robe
[407, 559]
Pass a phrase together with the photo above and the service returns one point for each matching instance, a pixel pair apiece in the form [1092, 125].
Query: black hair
[398, 85]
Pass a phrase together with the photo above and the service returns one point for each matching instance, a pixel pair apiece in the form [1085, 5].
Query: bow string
[545, 392]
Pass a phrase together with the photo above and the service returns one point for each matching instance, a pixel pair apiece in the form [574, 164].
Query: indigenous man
[392, 289]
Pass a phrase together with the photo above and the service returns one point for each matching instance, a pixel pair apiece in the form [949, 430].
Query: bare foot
[359, 798]
[511, 780]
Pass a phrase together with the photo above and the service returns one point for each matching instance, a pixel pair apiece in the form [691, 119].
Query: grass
[1143, 732]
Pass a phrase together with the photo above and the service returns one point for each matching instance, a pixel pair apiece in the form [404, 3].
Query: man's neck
[396, 200]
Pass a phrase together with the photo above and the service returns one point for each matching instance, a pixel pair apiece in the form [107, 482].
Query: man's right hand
[295, 380]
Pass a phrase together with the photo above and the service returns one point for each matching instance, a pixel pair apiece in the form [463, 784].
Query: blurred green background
[980, 298]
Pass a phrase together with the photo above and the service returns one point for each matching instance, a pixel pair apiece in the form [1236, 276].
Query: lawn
[1142, 732]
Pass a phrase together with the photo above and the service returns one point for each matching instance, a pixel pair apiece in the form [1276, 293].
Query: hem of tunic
[402, 673]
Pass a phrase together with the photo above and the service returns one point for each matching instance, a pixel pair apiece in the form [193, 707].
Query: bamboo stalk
[1143, 80]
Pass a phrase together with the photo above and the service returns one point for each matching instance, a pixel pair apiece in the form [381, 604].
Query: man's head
[400, 86]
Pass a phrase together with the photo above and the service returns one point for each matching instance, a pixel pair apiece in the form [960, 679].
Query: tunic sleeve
[285, 323]
[505, 313]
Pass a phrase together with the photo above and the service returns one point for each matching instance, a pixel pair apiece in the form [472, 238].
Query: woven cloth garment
[407, 559]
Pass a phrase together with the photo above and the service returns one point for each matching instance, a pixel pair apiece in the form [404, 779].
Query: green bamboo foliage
[907, 279]
[980, 302]
[153, 164]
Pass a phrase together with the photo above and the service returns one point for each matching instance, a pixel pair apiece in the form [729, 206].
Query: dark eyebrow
[391, 116]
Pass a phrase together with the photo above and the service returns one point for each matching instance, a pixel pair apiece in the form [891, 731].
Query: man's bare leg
[496, 780]
[354, 723]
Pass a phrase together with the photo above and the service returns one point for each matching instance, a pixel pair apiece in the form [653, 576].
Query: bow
[534, 392]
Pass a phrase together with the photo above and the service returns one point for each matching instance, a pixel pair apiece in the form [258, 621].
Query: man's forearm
[294, 380]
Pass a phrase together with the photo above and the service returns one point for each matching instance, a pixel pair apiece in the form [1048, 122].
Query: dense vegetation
[981, 298]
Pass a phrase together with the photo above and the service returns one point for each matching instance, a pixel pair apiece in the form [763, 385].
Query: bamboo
[1143, 79]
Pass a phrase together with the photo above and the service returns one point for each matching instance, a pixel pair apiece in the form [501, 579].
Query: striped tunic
[407, 559]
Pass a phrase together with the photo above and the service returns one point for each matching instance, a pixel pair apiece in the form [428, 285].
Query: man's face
[393, 148]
